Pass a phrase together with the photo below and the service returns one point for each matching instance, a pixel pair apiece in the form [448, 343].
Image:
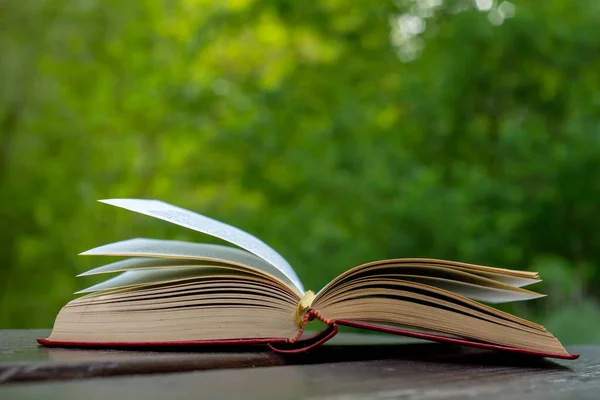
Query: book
[176, 293]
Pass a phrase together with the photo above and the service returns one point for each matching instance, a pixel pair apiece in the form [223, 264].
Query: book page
[490, 294]
[155, 276]
[483, 275]
[200, 223]
[179, 254]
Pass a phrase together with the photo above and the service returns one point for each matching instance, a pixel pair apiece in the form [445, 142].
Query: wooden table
[352, 367]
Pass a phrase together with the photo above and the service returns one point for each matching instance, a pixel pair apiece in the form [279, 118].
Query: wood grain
[346, 370]
[22, 359]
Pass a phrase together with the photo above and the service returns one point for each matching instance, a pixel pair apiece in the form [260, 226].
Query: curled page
[182, 217]
[146, 277]
[490, 294]
[180, 253]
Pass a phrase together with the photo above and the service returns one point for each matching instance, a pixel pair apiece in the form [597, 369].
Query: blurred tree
[452, 129]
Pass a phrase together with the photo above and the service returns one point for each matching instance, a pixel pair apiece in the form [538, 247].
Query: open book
[170, 293]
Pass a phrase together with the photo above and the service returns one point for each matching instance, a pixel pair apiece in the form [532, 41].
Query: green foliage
[337, 134]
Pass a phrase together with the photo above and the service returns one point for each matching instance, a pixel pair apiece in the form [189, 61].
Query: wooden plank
[380, 379]
[22, 359]
[419, 371]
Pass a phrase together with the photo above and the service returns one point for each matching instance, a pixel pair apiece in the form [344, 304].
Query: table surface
[354, 366]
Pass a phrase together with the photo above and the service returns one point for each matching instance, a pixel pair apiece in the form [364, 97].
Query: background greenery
[339, 132]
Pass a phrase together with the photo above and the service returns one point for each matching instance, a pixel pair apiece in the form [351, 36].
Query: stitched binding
[309, 316]
[305, 345]
[309, 343]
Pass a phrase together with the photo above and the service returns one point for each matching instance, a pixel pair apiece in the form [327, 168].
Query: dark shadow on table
[432, 352]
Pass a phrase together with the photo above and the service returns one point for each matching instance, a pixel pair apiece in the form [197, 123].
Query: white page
[155, 276]
[209, 226]
[143, 263]
[179, 252]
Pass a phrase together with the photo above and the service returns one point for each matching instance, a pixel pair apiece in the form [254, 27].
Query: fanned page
[156, 276]
[449, 277]
[200, 223]
[175, 252]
